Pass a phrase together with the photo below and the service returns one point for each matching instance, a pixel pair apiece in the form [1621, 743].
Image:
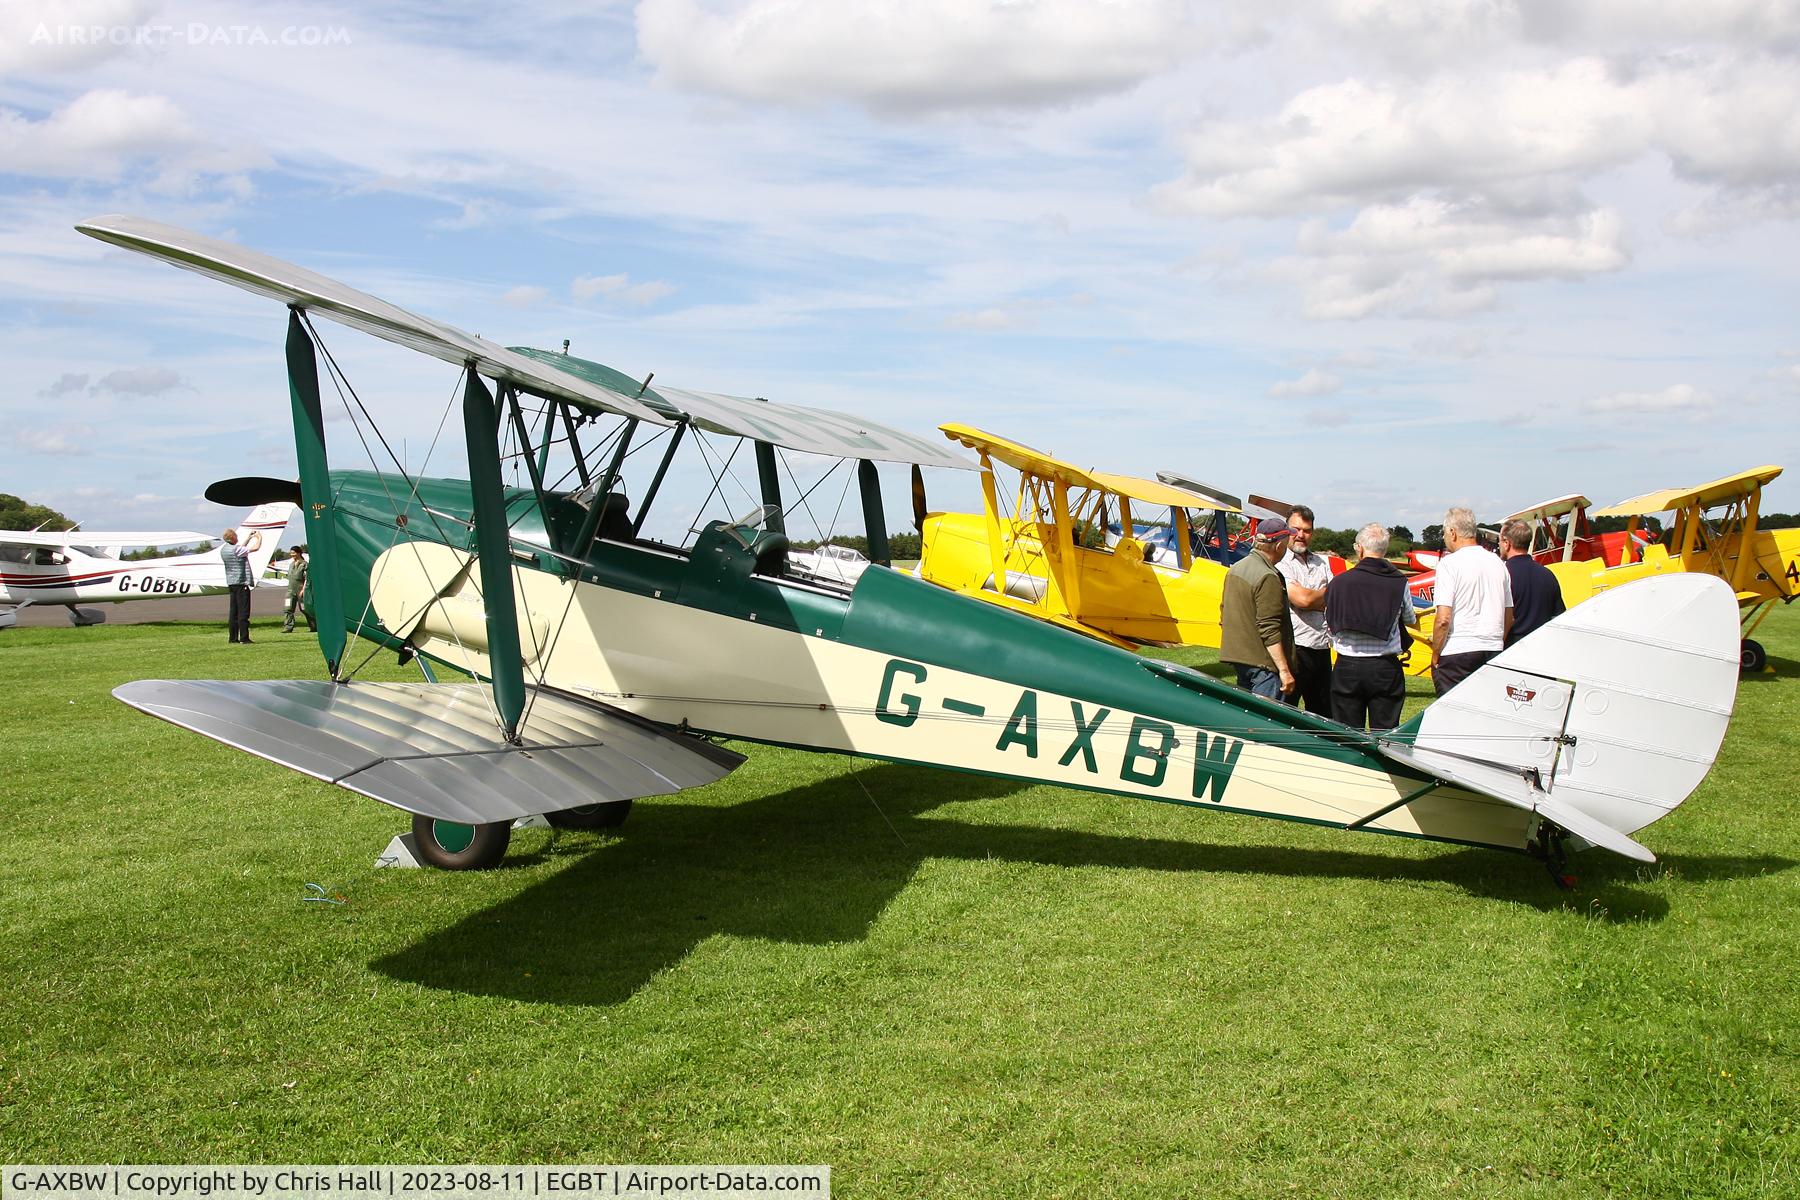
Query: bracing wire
[347, 392]
[719, 474]
[801, 501]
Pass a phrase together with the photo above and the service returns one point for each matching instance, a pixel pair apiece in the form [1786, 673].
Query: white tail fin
[1605, 719]
[271, 521]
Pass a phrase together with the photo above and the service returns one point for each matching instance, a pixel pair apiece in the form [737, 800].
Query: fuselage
[717, 639]
[84, 573]
[78, 575]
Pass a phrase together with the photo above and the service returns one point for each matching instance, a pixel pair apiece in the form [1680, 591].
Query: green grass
[942, 985]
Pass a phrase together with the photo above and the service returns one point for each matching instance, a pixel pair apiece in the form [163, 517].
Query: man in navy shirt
[1537, 597]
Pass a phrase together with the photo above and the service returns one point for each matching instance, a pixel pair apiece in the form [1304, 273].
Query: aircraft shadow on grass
[818, 864]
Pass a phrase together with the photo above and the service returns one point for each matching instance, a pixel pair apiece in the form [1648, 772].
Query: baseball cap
[1272, 528]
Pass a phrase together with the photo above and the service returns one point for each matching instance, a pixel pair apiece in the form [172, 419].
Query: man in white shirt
[1306, 573]
[1474, 604]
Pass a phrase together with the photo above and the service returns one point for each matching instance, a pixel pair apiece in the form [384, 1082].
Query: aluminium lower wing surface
[434, 749]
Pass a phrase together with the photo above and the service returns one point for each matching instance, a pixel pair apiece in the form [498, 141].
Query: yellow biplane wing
[1707, 495]
[1029, 461]
[1547, 509]
[1017, 455]
[1149, 491]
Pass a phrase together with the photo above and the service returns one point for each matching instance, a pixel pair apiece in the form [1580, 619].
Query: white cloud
[139, 381]
[69, 383]
[1676, 399]
[1022, 313]
[910, 56]
[648, 292]
[96, 136]
[1460, 345]
[1519, 139]
[1314, 383]
[987, 320]
[1355, 142]
[1624, 22]
[524, 296]
[1434, 258]
[1427, 33]
[619, 287]
[64, 35]
[586, 287]
[56, 439]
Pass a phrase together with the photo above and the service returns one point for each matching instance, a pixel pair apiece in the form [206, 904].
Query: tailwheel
[1550, 848]
[610, 815]
[454, 846]
[1752, 658]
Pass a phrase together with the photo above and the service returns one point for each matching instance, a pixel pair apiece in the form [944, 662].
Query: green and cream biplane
[604, 662]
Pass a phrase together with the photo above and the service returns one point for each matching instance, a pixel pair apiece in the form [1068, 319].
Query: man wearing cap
[1255, 627]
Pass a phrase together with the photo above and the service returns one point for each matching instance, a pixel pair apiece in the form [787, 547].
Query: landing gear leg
[1550, 848]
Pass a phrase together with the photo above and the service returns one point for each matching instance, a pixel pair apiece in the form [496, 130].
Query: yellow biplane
[1714, 532]
[1056, 556]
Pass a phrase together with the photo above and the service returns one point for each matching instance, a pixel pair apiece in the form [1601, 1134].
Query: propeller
[251, 490]
[918, 498]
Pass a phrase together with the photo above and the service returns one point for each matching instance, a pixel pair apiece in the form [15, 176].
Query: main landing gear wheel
[1549, 847]
[454, 846]
[1752, 657]
[591, 816]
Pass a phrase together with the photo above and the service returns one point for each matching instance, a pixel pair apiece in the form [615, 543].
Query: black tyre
[457, 847]
[591, 816]
[1752, 657]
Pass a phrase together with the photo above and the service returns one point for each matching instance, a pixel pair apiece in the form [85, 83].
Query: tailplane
[271, 521]
[1602, 721]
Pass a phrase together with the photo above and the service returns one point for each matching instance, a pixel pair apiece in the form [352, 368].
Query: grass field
[942, 985]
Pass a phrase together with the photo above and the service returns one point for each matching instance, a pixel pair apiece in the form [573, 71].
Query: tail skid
[1601, 722]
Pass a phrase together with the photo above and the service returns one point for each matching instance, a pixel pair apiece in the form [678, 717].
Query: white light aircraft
[75, 568]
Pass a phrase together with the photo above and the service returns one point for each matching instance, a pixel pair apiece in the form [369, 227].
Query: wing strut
[662, 468]
[874, 514]
[771, 487]
[315, 488]
[493, 543]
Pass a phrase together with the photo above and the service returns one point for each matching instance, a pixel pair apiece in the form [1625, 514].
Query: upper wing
[1150, 491]
[811, 430]
[1719, 491]
[268, 276]
[1549, 508]
[84, 537]
[1017, 455]
[1223, 501]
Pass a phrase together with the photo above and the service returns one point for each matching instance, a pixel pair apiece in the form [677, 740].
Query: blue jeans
[1259, 680]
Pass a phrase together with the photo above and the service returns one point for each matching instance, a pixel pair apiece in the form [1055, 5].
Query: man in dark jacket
[1537, 596]
[1367, 609]
[1256, 631]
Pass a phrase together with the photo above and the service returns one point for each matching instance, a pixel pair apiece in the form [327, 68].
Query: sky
[1378, 257]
